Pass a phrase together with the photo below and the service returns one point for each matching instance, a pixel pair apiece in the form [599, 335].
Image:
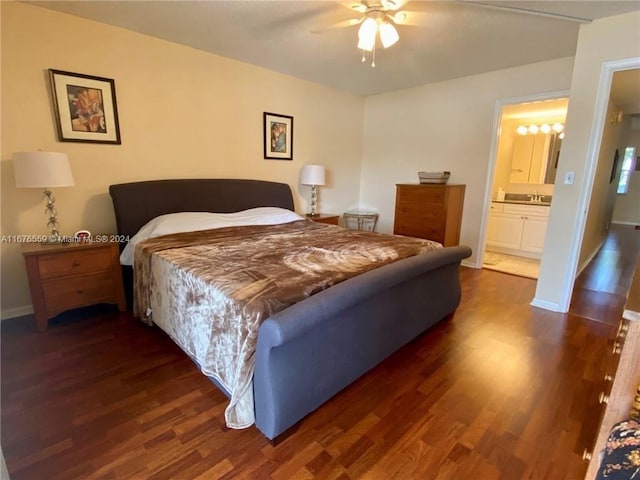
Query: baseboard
[554, 307]
[16, 312]
[584, 264]
[467, 263]
[631, 224]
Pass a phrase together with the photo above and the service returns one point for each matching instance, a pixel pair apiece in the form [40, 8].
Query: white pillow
[193, 221]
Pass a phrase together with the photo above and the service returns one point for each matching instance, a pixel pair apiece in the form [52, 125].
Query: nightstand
[71, 275]
[325, 218]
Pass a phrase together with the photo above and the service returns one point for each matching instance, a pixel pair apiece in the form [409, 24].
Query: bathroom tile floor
[521, 266]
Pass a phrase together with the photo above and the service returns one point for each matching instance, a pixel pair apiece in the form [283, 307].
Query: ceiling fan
[379, 19]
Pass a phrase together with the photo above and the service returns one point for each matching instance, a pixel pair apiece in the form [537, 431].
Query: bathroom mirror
[535, 158]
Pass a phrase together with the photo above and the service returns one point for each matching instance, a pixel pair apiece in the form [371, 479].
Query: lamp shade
[388, 34]
[312, 175]
[42, 169]
[367, 34]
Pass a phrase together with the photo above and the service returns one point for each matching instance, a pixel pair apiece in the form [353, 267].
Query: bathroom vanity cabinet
[517, 229]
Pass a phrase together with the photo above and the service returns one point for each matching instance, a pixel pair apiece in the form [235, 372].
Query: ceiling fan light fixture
[388, 34]
[367, 34]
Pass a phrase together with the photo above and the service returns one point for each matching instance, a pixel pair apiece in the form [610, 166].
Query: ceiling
[454, 39]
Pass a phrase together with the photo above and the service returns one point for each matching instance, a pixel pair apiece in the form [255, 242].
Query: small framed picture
[85, 107]
[278, 136]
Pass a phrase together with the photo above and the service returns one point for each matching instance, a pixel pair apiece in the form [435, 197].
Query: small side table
[327, 218]
[360, 220]
[71, 275]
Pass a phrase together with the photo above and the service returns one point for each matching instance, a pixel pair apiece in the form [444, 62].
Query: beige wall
[627, 208]
[444, 126]
[183, 113]
[603, 194]
[607, 39]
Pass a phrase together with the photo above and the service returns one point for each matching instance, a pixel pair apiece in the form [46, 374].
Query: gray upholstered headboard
[137, 203]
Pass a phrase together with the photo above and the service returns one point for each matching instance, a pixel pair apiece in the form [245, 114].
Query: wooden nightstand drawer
[65, 293]
[72, 275]
[327, 218]
[74, 263]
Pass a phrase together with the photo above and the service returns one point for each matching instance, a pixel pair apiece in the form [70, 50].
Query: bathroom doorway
[529, 140]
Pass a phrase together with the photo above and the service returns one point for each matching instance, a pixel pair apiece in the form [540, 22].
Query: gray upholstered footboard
[312, 350]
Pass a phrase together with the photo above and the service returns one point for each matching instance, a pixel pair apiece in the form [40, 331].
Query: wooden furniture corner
[430, 211]
[328, 218]
[72, 275]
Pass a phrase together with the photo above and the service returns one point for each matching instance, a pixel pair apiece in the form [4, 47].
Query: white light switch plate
[569, 177]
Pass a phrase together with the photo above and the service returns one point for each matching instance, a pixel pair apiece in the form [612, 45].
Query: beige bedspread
[211, 290]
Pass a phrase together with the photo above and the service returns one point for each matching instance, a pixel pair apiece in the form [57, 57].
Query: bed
[312, 349]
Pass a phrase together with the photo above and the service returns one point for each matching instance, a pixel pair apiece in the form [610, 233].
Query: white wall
[444, 126]
[605, 40]
[183, 113]
[627, 208]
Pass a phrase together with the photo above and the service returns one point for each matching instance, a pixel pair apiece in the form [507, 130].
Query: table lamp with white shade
[312, 175]
[44, 170]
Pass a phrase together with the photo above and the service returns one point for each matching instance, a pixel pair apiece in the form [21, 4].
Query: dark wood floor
[502, 390]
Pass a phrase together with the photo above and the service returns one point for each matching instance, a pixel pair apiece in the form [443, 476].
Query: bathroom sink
[527, 199]
[528, 202]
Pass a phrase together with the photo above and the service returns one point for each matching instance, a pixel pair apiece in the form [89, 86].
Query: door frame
[493, 154]
[607, 70]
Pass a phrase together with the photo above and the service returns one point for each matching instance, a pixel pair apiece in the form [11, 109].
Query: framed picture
[278, 136]
[85, 107]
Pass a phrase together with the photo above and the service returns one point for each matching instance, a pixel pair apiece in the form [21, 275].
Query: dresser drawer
[427, 231]
[420, 196]
[74, 263]
[67, 293]
[427, 213]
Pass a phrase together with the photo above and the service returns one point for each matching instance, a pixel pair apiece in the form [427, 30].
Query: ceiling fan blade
[529, 11]
[419, 19]
[392, 4]
[359, 7]
[345, 23]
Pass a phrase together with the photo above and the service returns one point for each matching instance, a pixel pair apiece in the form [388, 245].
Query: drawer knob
[603, 398]
[623, 328]
[75, 263]
[617, 348]
[608, 377]
[586, 455]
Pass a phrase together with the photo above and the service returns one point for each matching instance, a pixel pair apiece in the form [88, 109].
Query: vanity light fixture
[544, 128]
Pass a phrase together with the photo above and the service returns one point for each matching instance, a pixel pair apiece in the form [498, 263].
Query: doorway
[529, 139]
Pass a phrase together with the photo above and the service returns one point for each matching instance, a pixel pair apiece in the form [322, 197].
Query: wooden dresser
[430, 211]
[72, 275]
[623, 378]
